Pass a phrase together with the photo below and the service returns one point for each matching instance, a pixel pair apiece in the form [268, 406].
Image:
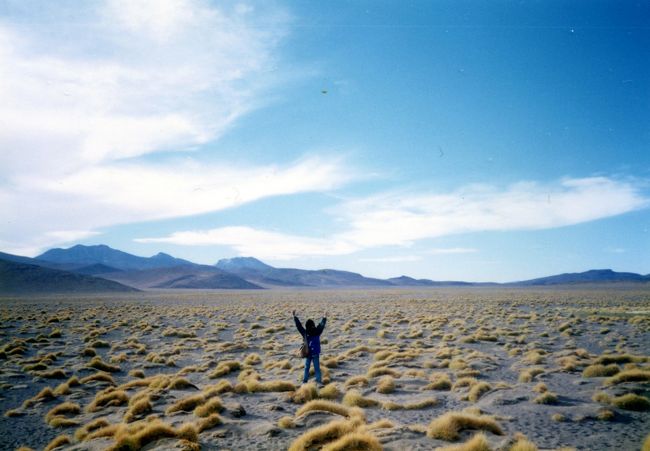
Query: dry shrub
[352, 441]
[477, 443]
[548, 397]
[180, 383]
[523, 444]
[305, 392]
[327, 406]
[66, 408]
[383, 370]
[108, 398]
[286, 422]
[386, 384]
[635, 375]
[630, 401]
[357, 380]
[439, 381]
[322, 434]
[422, 404]
[619, 358]
[448, 426]
[81, 433]
[58, 441]
[139, 407]
[98, 377]
[213, 405]
[99, 364]
[220, 387]
[478, 390]
[330, 391]
[225, 367]
[209, 422]
[599, 370]
[186, 404]
[527, 375]
[353, 398]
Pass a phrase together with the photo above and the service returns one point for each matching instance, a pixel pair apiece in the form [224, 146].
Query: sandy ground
[485, 342]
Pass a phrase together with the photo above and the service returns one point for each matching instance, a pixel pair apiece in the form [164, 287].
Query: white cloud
[260, 243]
[401, 219]
[393, 259]
[85, 88]
[451, 250]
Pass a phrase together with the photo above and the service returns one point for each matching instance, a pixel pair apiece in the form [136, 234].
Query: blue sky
[448, 140]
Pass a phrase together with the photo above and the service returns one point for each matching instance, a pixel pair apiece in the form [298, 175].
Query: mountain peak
[242, 263]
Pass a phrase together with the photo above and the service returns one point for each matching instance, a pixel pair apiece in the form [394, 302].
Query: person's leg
[306, 375]
[317, 368]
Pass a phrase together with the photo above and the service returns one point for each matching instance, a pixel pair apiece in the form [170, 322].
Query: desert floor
[405, 369]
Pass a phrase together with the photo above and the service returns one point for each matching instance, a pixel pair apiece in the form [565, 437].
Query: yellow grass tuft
[58, 441]
[386, 384]
[635, 375]
[209, 422]
[225, 367]
[548, 397]
[599, 370]
[286, 423]
[631, 401]
[213, 405]
[477, 443]
[99, 364]
[98, 377]
[110, 398]
[66, 408]
[353, 441]
[81, 433]
[304, 393]
[523, 444]
[360, 380]
[138, 408]
[354, 398]
[478, 390]
[186, 404]
[330, 391]
[322, 434]
[448, 426]
[327, 406]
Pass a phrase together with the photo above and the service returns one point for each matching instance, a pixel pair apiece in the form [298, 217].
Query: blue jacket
[313, 340]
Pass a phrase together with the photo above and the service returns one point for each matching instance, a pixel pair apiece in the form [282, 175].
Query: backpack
[304, 348]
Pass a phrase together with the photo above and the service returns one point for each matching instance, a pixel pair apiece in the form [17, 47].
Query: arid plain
[455, 369]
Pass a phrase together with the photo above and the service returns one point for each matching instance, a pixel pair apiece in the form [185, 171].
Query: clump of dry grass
[286, 422]
[304, 393]
[383, 370]
[619, 358]
[354, 398]
[108, 398]
[634, 375]
[330, 391]
[477, 443]
[66, 408]
[386, 384]
[180, 383]
[58, 441]
[138, 407]
[360, 380]
[523, 444]
[548, 397]
[631, 401]
[136, 373]
[81, 433]
[213, 405]
[422, 404]
[186, 404]
[438, 381]
[478, 390]
[528, 374]
[599, 370]
[357, 440]
[99, 364]
[449, 425]
[327, 406]
[225, 367]
[209, 422]
[98, 377]
[323, 434]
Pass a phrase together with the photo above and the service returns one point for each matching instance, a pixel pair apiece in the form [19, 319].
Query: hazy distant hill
[591, 276]
[405, 281]
[18, 277]
[185, 276]
[101, 254]
[258, 272]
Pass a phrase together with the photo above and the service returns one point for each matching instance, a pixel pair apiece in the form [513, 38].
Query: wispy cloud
[404, 217]
[451, 250]
[393, 259]
[260, 243]
[86, 91]
[401, 219]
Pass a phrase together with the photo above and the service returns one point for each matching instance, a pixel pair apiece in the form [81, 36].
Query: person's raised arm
[321, 325]
[298, 325]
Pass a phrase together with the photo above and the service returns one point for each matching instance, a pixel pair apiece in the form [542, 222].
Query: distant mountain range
[101, 268]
